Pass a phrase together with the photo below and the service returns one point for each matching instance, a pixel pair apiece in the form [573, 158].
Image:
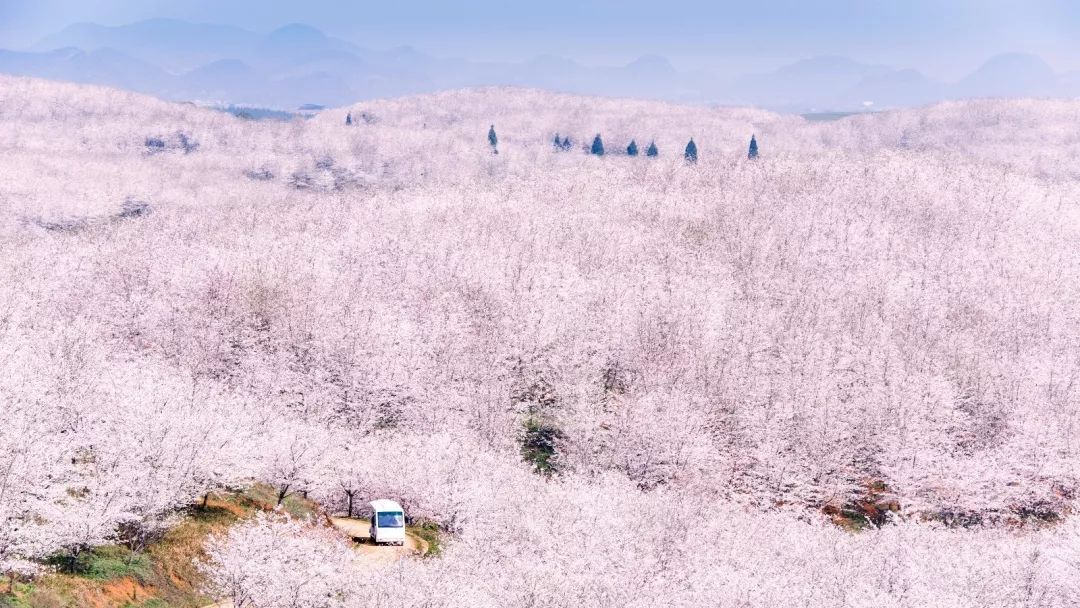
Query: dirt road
[372, 554]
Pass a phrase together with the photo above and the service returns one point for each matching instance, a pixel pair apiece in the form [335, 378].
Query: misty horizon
[678, 60]
[299, 64]
[725, 38]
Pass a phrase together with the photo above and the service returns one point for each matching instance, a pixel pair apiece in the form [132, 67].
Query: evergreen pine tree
[753, 148]
[597, 146]
[652, 151]
[348, 119]
[631, 150]
[557, 143]
[691, 152]
[566, 145]
[493, 139]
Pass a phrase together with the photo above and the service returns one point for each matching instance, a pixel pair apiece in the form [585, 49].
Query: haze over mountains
[298, 64]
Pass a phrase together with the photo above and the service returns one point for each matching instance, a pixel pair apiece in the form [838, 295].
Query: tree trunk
[205, 500]
[282, 493]
[350, 495]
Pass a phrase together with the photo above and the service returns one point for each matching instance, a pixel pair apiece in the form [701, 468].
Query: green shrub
[105, 564]
[539, 445]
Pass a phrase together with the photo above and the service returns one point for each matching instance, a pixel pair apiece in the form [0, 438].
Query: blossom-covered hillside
[840, 374]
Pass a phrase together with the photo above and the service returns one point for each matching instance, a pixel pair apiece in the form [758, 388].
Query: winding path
[372, 554]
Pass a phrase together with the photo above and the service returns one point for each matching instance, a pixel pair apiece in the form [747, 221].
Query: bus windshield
[392, 520]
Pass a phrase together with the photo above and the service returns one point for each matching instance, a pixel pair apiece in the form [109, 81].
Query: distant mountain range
[298, 64]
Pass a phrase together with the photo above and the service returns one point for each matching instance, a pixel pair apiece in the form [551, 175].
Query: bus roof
[386, 506]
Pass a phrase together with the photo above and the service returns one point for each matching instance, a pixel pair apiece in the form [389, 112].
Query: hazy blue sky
[941, 37]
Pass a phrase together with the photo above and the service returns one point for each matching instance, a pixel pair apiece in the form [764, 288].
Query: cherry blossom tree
[729, 365]
[272, 560]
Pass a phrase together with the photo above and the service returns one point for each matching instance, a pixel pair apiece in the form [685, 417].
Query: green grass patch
[105, 564]
[40, 595]
[431, 534]
[150, 603]
[265, 497]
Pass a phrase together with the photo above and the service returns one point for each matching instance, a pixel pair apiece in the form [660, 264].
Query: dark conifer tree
[597, 146]
[348, 119]
[557, 143]
[691, 152]
[631, 150]
[651, 150]
[566, 145]
[753, 148]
